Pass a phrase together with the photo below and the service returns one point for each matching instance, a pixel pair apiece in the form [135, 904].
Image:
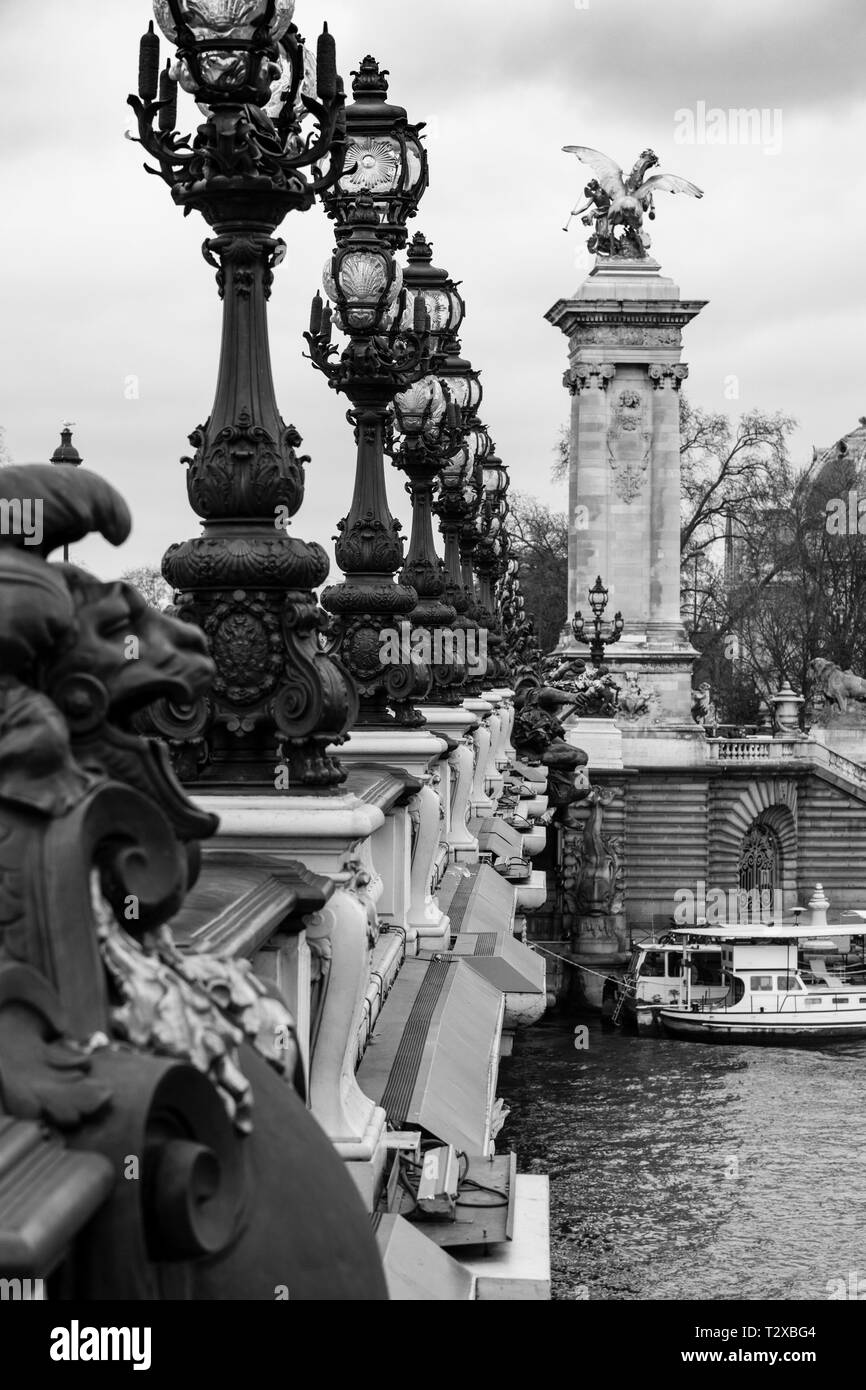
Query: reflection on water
[688, 1170]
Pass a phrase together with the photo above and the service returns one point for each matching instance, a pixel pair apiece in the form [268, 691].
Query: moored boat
[656, 977]
[769, 995]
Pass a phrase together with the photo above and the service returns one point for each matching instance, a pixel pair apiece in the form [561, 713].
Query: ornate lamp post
[67, 453]
[426, 442]
[278, 700]
[370, 204]
[491, 555]
[600, 638]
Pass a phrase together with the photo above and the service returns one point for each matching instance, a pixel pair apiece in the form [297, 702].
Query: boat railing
[795, 1002]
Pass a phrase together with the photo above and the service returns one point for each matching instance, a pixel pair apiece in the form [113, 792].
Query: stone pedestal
[600, 739]
[624, 327]
[458, 771]
[326, 972]
[412, 846]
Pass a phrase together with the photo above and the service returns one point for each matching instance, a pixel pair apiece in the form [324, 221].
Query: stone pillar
[624, 327]
[665, 622]
[588, 542]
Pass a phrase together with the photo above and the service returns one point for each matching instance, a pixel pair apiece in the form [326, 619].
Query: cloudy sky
[101, 280]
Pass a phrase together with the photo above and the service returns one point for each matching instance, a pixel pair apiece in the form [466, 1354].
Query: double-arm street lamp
[602, 636]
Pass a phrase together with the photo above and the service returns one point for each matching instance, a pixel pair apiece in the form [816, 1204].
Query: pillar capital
[667, 374]
[586, 375]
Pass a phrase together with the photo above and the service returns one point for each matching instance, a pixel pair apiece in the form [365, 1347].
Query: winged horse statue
[619, 203]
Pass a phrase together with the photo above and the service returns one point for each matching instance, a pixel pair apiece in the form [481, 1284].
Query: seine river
[687, 1170]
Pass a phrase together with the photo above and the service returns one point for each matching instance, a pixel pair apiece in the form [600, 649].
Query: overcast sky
[101, 279]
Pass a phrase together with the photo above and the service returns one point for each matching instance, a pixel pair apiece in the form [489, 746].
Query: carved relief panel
[629, 443]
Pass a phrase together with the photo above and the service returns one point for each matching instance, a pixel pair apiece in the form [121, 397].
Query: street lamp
[226, 49]
[386, 174]
[600, 639]
[385, 158]
[422, 452]
[278, 701]
[67, 453]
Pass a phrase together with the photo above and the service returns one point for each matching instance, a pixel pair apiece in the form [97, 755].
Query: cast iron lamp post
[67, 453]
[370, 204]
[600, 638]
[457, 506]
[278, 700]
[491, 555]
[425, 443]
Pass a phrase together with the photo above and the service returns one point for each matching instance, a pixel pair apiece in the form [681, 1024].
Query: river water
[687, 1170]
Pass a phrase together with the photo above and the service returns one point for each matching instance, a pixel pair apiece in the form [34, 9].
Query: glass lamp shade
[455, 468]
[224, 19]
[382, 165]
[363, 283]
[598, 596]
[391, 168]
[422, 279]
[495, 476]
[376, 162]
[385, 158]
[458, 391]
[420, 408]
[475, 391]
[443, 310]
[478, 441]
[225, 45]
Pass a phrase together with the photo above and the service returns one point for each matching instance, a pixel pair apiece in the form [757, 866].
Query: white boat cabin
[657, 971]
[777, 986]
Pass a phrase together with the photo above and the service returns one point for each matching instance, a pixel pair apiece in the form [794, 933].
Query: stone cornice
[575, 316]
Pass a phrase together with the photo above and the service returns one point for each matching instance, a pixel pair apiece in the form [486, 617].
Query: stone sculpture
[539, 736]
[703, 707]
[593, 875]
[616, 204]
[835, 686]
[112, 1039]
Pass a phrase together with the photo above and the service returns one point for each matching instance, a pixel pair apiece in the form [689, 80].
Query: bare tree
[562, 456]
[539, 542]
[149, 582]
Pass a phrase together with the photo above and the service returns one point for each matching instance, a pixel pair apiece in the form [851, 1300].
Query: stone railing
[765, 749]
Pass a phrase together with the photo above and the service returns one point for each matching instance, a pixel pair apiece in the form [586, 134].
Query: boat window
[787, 982]
[654, 963]
[675, 965]
[813, 1002]
[706, 970]
[736, 988]
[760, 982]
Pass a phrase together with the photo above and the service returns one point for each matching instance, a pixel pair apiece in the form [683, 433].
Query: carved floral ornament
[671, 374]
[631, 335]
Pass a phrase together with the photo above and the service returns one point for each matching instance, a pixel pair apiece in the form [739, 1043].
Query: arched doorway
[760, 872]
